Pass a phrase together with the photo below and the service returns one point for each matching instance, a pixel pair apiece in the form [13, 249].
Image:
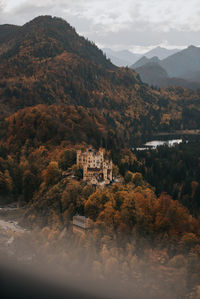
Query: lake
[155, 143]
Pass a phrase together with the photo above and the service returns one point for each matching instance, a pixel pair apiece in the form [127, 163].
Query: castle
[96, 169]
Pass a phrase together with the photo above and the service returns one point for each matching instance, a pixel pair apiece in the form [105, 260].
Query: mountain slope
[47, 62]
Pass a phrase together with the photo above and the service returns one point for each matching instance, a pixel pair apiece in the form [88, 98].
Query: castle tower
[78, 157]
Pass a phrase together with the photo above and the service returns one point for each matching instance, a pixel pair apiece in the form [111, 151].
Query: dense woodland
[174, 170]
[59, 93]
[135, 226]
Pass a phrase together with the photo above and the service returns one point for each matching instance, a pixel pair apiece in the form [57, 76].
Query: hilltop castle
[96, 169]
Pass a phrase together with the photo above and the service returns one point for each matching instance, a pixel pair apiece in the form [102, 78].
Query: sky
[136, 25]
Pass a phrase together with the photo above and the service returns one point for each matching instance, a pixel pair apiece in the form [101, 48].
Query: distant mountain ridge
[128, 58]
[182, 68]
[182, 63]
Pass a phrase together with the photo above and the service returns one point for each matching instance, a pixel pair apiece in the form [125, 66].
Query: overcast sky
[137, 25]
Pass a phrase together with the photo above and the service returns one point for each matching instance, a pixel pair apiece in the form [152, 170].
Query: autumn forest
[58, 94]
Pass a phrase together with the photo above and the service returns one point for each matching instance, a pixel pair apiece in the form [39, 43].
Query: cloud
[127, 23]
[1, 5]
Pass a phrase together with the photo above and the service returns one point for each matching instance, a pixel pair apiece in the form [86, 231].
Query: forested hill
[46, 37]
[46, 62]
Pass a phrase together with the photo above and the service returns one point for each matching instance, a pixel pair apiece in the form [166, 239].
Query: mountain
[46, 62]
[183, 63]
[121, 58]
[181, 69]
[46, 31]
[160, 52]
[155, 75]
[127, 58]
[152, 73]
[155, 55]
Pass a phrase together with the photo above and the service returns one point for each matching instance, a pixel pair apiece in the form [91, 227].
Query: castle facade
[96, 169]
